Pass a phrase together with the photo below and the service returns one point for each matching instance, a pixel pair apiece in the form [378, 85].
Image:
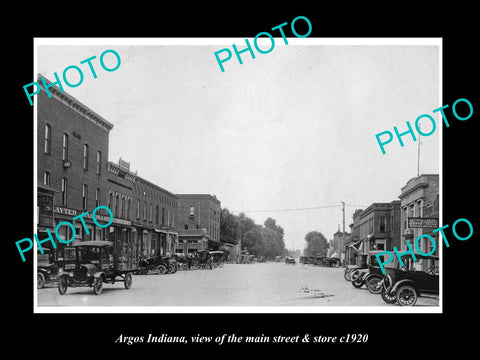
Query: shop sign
[65, 211]
[416, 222]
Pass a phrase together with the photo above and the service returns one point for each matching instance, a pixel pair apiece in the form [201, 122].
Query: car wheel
[389, 299]
[62, 285]
[354, 275]
[127, 281]
[40, 280]
[172, 268]
[374, 285]
[98, 285]
[358, 283]
[161, 269]
[406, 295]
[347, 275]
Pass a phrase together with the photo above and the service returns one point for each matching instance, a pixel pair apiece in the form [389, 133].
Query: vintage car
[47, 270]
[403, 285]
[371, 276]
[92, 263]
[290, 260]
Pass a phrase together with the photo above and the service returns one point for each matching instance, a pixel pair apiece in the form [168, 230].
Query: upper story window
[48, 139]
[85, 157]
[65, 147]
[192, 211]
[85, 196]
[97, 198]
[64, 191]
[382, 224]
[46, 178]
[99, 161]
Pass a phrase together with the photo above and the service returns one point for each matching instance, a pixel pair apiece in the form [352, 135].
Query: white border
[237, 309]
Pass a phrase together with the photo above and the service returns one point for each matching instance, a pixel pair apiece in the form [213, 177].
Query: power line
[281, 210]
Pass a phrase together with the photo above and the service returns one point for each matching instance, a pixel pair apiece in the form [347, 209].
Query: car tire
[373, 285]
[161, 269]
[358, 283]
[172, 268]
[98, 285]
[406, 295]
[389, 299]
[40, 280]
[347, 275]
[355, 274]
[62, 285]
[127, 281]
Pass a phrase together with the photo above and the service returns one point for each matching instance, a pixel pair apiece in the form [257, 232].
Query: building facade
[198, 222]
[375, 228]
[72, 150]
[155, 215]
[338, 243]
[420, 200]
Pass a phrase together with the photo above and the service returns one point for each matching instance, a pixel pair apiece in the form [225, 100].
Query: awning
[356, 245]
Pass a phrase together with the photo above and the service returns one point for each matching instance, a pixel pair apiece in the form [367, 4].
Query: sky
[291, 129]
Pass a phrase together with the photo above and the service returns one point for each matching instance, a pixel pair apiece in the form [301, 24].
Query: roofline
[74, 104]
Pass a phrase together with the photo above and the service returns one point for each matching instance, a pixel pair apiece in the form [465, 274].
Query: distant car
[404, 285]
[290, 260]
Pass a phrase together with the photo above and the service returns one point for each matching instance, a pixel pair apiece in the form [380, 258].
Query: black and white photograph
[259, 188]
[217, 183]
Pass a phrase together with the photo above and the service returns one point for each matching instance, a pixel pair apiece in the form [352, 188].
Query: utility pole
[343, 210]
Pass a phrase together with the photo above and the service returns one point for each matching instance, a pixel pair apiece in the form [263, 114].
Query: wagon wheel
[40, 280]
[62, 285]
[98, 285]
[127, 281]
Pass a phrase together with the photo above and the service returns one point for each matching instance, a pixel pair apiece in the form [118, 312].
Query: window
[138, 209]
[156, 214]
[129, 204]
[117, 201]
[97, 198]
[85, 196]
[99, 162]
[46, 178]
[65, 147]
[383, 224]
[186, 226]
[122, 208]
[85, 157]
[48, 139]
[192, 211]
[145, 210]
[151, 212]
[163, 216]
[64, 191]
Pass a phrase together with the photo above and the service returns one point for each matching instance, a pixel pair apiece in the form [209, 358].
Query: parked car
[47, 270]
[371, 276]
[290, 260]
[403, 285]
[92, 263]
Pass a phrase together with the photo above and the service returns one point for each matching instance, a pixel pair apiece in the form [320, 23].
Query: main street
[258, 284]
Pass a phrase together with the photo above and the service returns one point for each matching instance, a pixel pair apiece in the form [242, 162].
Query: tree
[316, 244]
[228, 227]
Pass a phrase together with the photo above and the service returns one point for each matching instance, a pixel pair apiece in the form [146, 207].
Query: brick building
[155, 215]
[375, 228]
[198, 222]
[72, 150]
[120, 182]
[420, 200]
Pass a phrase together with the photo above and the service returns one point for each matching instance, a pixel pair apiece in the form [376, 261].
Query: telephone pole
[343, 211]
